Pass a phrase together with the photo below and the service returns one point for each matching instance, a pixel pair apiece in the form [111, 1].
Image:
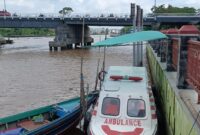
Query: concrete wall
[178, 118]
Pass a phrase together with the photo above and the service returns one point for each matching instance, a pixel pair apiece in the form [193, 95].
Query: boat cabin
[125, 105]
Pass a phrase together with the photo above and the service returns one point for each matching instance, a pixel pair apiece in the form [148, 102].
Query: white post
[141, 28]
[138, 29]
[134, 30]
[4, 5]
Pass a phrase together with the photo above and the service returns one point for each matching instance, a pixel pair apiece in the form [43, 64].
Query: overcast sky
[88, 6]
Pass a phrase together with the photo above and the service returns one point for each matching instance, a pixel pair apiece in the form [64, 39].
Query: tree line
[172, 9]
[11, 32]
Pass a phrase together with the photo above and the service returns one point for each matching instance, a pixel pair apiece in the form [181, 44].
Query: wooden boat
[48, 120]
[125, 105]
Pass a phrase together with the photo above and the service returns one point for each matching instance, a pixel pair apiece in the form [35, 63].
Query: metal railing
[72, 15]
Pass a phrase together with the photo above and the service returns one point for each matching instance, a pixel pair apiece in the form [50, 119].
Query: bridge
[102, 20]
[54, 21]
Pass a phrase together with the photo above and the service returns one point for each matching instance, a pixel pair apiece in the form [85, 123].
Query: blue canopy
[130, 38]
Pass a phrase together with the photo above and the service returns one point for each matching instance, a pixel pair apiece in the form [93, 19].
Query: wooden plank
[31, 125]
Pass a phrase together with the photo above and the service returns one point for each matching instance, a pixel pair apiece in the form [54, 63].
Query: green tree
[66, 11]
[171, 9]
[126, 29]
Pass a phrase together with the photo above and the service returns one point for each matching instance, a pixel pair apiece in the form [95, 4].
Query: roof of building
[189, 29]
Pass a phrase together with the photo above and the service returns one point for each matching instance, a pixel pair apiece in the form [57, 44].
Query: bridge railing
[72, 15]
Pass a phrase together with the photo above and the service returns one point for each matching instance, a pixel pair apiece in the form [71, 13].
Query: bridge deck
[52, 22]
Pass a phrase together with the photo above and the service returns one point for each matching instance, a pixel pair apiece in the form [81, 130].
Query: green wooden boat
[49, 120]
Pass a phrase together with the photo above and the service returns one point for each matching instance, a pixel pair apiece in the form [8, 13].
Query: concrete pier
[67, 35]
[2, 41]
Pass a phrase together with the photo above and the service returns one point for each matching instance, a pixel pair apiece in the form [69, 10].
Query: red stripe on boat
[132, 78]
[108, 131]
[153, 116]
[135, 78]
[96, 104]
[116, 77]
[151, 99]
[153, 108]
[94, 112]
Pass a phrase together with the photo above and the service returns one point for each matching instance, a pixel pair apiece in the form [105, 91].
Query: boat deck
[31, 125]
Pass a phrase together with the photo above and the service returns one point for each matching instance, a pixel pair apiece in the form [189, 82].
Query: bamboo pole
[82, 92]
[96, 81]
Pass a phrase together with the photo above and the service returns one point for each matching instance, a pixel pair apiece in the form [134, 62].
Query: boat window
[136, 108]
[110, 106]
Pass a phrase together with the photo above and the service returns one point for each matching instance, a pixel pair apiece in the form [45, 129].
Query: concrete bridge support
[67, 35]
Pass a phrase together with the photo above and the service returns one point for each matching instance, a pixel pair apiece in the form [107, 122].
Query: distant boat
[48, 120]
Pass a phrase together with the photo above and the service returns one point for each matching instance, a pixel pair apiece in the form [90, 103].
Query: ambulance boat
[125, 105]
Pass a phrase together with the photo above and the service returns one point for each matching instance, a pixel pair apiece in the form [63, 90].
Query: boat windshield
[136, 108]
[110, 106]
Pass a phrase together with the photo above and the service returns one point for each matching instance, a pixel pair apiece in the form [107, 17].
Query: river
[31, 76]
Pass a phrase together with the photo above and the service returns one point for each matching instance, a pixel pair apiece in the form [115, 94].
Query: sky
[88, 6]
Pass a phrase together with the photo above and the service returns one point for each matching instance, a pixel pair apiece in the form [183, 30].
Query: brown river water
[31, 76]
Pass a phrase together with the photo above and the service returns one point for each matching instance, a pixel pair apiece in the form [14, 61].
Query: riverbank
[26, 32]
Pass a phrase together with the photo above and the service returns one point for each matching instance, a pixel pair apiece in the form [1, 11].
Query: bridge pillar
[76, 45]
[67, 35]
[55, 48]
[50, 48]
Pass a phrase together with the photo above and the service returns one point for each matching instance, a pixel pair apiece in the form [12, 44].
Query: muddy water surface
[31, 76]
